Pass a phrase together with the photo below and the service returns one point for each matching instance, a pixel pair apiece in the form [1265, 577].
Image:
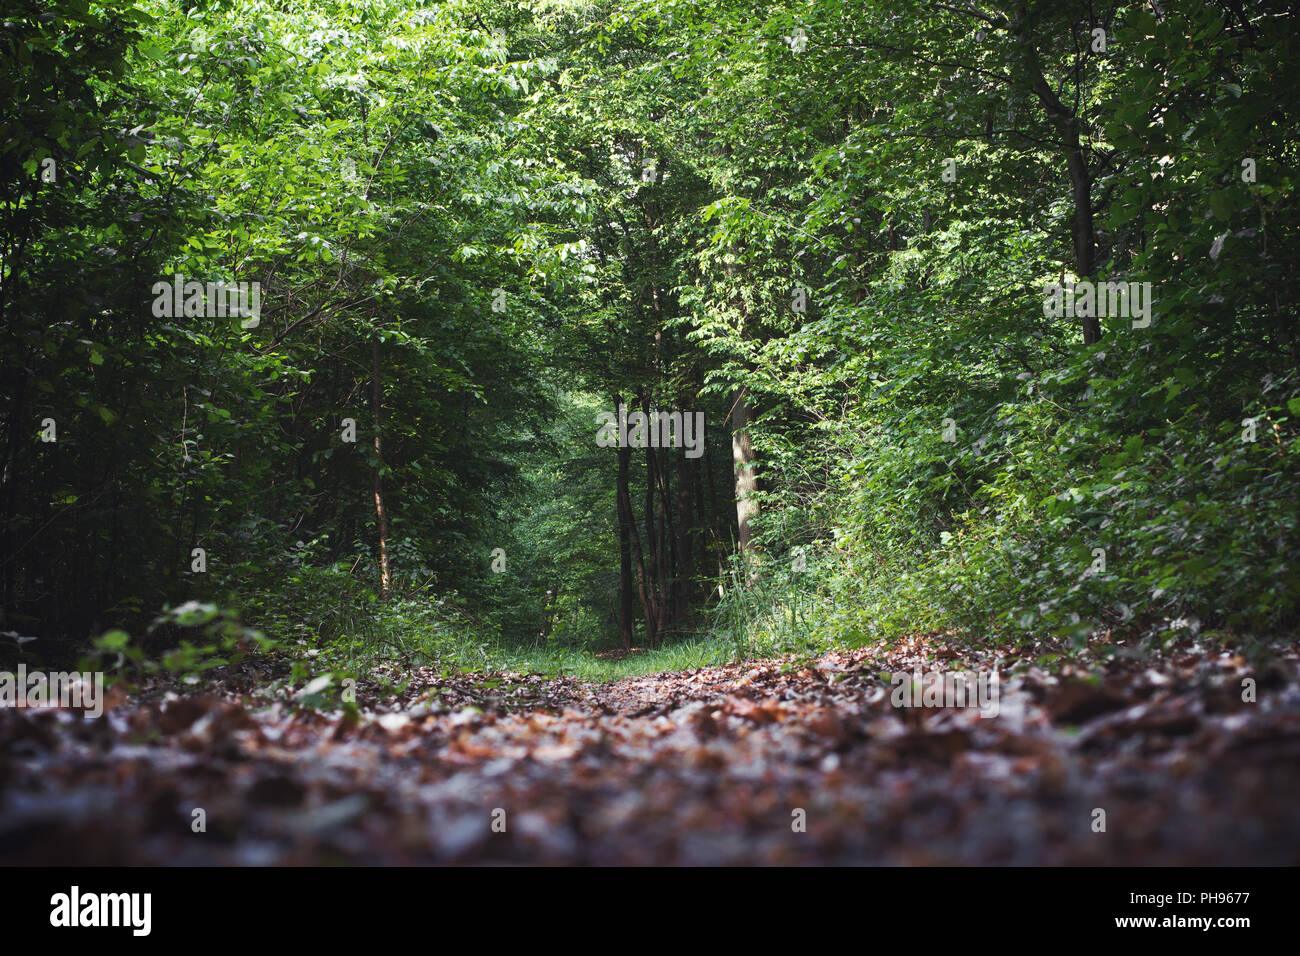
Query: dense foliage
[826, 225]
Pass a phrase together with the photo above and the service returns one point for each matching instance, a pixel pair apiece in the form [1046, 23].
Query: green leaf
[113, 640]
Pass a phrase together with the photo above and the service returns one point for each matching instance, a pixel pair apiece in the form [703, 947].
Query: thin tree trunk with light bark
[381, 514]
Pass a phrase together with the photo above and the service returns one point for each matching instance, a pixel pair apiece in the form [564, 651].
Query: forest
[630, 432]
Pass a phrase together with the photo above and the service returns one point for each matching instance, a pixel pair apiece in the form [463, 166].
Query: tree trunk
[638, 560]
[667, 540]
[1082, 228]
[742, 448]
[682, 579]
[654, 578]
[381, 514]
[624, 549]
[742, 455]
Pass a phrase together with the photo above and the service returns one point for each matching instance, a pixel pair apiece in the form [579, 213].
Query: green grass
[432, 639]
[706, 651]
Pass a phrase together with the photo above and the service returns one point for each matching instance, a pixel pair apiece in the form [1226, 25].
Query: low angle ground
[765, 762]
[648, 433]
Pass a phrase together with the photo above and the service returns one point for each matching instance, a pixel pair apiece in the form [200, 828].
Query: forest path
[773, 761]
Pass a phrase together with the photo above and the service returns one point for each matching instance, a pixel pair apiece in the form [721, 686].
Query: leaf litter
[781, 761]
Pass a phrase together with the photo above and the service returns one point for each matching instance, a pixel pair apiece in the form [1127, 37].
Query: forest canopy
[463, 329]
